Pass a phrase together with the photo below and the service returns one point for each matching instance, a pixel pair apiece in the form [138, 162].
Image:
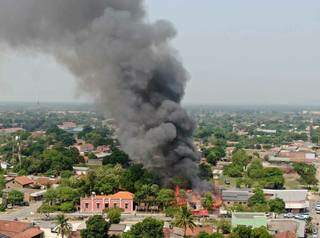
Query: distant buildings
[97, 203]
[67, 125]
[267, 131]
[84, 148]
[10, 130]
[295, 200]
[80, 170]
[297, 152]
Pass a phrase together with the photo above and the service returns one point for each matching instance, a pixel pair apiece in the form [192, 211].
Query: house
[295, 200]
[67, 125]
[97, 203]
[10, 130]
[19, 182]
[45, 182]
[17, 229]
[266, 131]
[80, 170]
[190, 199]
[103, 149]
[95, 162]
[232, 197]
[287, 227]
[84, 148]
[117, 229]
[254, 219]
[29, 194]
[293, 154]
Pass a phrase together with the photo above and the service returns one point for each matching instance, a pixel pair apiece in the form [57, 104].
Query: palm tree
[184, 219]
[63, 227]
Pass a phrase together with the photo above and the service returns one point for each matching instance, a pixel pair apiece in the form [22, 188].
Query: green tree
[277, 205]
[258, 198]
[205, 171]
[233, 170]
[114, 215]
[165, 197]
[63, 227]
[117, 157]
[135, 176]
[184, 219]
[207, 201]
[241, 157]
[96, 227]
[214, 154]
[224, 226]
[260, 232]
[307, 173]
[148, 228]
[15, 197]
[213, 235]
[255, 169]
[241, 231]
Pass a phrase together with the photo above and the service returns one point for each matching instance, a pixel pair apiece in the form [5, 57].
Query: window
[98, 205]
[106, 205]
[126, 205]
[86, 205]
[115, 205]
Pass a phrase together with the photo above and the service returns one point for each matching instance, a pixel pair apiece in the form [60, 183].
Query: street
[21, 213]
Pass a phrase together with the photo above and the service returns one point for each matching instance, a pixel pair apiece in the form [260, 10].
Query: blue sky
[236, 51]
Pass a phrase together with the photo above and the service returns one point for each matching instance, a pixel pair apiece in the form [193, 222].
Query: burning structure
[127, 63]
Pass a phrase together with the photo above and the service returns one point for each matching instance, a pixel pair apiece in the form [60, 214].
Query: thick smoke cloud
[124, 61]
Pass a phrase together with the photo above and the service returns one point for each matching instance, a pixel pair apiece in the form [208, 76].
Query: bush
[170, 211]
[46, 208]
[114, 215]
[15, 197]
[66, 207]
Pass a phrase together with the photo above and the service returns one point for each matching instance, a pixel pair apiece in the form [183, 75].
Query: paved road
[21, 213]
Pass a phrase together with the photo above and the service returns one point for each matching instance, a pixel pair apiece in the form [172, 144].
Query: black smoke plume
[126, 62]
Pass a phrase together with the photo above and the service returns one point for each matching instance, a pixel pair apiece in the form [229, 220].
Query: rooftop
[23, 180]
[17, 229]
[118, 195]
[254, 219]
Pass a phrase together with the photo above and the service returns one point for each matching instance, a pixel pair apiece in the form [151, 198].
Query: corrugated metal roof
[236, 195]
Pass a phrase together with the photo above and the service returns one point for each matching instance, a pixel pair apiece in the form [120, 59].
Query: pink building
[98, 203]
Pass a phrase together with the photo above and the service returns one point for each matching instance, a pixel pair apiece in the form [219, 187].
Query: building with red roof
[17, 229]
[97, 203]
[19, 182]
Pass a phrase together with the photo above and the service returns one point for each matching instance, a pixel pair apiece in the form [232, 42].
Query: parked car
[54, 229]
[288, 215]
[303, 216]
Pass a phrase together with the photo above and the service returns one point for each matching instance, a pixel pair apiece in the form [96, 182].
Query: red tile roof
[118, 195]
[45, 181]
[16, 229]
[23, 180]
[30, 233]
